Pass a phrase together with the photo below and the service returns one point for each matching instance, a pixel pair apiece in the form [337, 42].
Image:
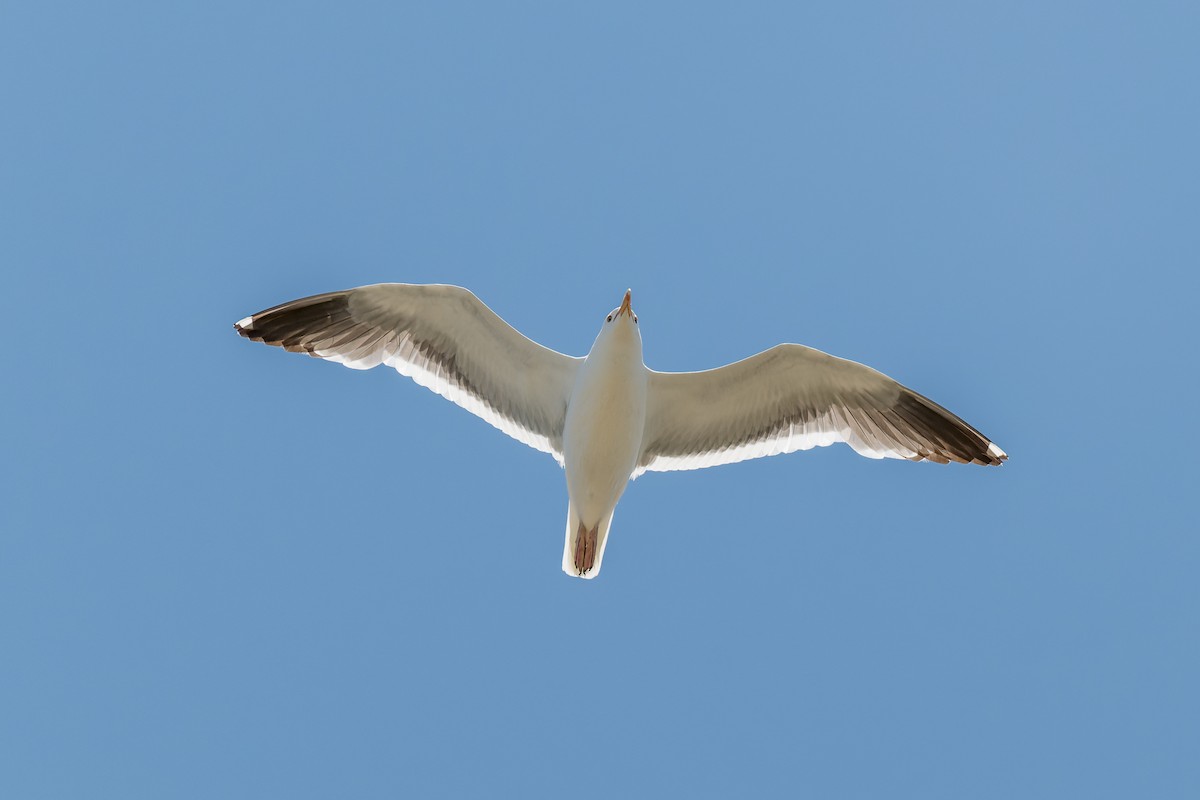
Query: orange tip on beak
[626, 306]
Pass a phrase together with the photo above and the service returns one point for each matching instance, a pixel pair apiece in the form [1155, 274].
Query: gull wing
[445, 339]
[792, 398]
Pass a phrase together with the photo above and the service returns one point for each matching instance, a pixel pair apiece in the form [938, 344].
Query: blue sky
[229, 571]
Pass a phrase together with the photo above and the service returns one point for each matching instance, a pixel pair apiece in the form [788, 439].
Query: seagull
[607, 418]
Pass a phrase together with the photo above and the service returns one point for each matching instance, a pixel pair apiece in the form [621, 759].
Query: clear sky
[229, 571]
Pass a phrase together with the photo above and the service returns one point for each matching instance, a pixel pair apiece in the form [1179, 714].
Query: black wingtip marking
[294, 325]
[954, 439]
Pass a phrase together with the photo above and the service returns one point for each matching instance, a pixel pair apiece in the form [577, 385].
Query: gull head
[620, 327]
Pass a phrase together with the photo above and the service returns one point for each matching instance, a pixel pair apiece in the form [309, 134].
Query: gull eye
[609, 318]
[635, 319]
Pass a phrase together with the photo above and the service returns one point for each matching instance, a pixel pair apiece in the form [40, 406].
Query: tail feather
[583, 550]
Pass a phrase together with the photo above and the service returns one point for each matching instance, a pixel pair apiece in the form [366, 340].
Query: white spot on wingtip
[996, 452]
[244, 323]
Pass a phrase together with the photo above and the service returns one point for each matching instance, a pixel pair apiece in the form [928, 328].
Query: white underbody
[602, 437]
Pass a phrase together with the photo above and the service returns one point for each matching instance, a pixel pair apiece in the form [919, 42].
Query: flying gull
[607, 418]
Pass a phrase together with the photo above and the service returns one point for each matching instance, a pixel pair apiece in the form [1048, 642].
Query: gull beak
[626, 308]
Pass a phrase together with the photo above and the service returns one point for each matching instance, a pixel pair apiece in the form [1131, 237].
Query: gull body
[607, 418]
[602, 437]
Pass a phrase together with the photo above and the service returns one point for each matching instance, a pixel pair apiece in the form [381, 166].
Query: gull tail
[584, 548]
